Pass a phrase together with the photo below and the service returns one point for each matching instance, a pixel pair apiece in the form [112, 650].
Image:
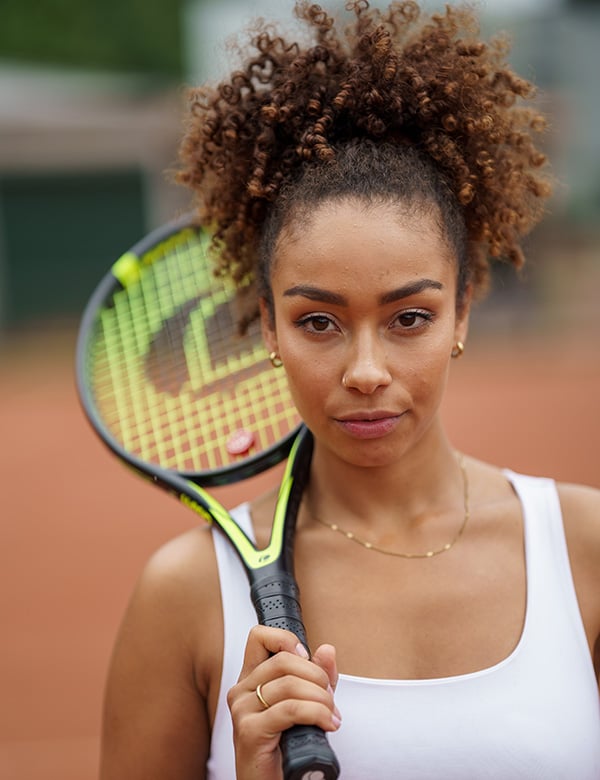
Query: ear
[267, 325]
[461, 327]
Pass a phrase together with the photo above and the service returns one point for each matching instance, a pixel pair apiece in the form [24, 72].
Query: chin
[369, 454]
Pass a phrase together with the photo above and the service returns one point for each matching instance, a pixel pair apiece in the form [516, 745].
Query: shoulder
[180, 562]
[580, 508]
[163, 676]
[177, 598]
[181, 569]
[581, 516]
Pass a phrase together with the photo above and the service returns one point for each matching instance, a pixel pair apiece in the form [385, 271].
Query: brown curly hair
[394, 83]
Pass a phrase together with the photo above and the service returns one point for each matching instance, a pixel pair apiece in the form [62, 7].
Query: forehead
[365, 239]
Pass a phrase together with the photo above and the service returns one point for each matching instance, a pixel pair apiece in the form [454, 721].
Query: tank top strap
[238, 618]
[549, 577]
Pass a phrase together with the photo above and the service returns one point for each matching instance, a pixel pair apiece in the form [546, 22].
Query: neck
[423, 482]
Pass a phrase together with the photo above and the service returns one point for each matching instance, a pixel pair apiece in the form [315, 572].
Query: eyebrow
[326, 296]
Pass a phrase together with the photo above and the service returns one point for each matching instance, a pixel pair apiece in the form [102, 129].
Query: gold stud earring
[276, 361]
[458, 349]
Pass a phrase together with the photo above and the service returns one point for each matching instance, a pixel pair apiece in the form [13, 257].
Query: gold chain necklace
[429, 553]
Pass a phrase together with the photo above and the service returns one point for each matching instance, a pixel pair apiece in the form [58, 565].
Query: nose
[367, 367]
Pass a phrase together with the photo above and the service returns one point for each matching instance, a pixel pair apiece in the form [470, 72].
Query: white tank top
[533, 716]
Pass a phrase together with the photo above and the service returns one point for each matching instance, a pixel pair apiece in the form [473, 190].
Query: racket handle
[306, 753]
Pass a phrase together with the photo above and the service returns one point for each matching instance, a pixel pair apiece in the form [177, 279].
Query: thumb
[324, 656]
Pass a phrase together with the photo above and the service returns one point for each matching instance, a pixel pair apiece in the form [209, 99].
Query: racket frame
[270, 570]
[125, 271]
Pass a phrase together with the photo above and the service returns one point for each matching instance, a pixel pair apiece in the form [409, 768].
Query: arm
[165, 673]
[156, 722]
[581, 515]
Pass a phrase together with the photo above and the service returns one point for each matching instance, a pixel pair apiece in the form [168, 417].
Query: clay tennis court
[77, 527]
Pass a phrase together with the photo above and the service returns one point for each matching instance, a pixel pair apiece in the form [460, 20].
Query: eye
[412, 319]
[317, 323]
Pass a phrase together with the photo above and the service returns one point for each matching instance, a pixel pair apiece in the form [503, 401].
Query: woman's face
[365, 320]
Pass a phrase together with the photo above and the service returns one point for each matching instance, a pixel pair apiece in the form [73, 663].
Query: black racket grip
[305, 750]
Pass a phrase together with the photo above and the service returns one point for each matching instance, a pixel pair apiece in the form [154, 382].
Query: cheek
[313, 376]
[302, 357]
[426, 377]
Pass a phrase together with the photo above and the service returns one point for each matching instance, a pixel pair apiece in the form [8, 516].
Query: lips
[369, 425]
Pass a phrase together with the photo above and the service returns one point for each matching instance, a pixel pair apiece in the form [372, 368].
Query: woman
[364, 180]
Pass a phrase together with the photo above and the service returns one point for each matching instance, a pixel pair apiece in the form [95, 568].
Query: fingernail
[337, 722]
[301, 650]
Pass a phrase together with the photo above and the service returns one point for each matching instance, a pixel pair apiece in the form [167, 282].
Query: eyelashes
[414, 318]
[406, 321]
[317, 323]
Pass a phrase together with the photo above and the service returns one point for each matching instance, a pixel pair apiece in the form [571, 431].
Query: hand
[297, 691]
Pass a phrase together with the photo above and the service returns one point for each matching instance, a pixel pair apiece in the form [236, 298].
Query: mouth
[369, 425]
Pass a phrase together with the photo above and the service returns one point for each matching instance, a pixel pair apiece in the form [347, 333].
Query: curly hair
[422, 88]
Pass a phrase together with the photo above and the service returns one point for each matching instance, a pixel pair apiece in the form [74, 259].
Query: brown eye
[320, 323]
[412, 319]
[408, 319]
[317, 323]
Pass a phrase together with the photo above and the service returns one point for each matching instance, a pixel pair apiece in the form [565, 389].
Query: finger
[325, 657]
[282, 676]
[265, 641]
[281, 666]
[292, 687]
[257, 734]
[287, 713]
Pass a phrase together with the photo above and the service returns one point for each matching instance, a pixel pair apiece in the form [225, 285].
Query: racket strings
[172, 379]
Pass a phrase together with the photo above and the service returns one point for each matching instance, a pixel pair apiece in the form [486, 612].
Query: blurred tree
[120, 35]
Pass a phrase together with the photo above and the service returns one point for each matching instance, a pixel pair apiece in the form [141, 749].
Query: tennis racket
[178, 395]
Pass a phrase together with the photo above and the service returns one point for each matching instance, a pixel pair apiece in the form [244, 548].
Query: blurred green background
[90, 116]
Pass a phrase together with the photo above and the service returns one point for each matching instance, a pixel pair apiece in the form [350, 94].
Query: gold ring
[261, 698]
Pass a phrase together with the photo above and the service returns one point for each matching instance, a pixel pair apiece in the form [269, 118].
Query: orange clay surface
[76, 527]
